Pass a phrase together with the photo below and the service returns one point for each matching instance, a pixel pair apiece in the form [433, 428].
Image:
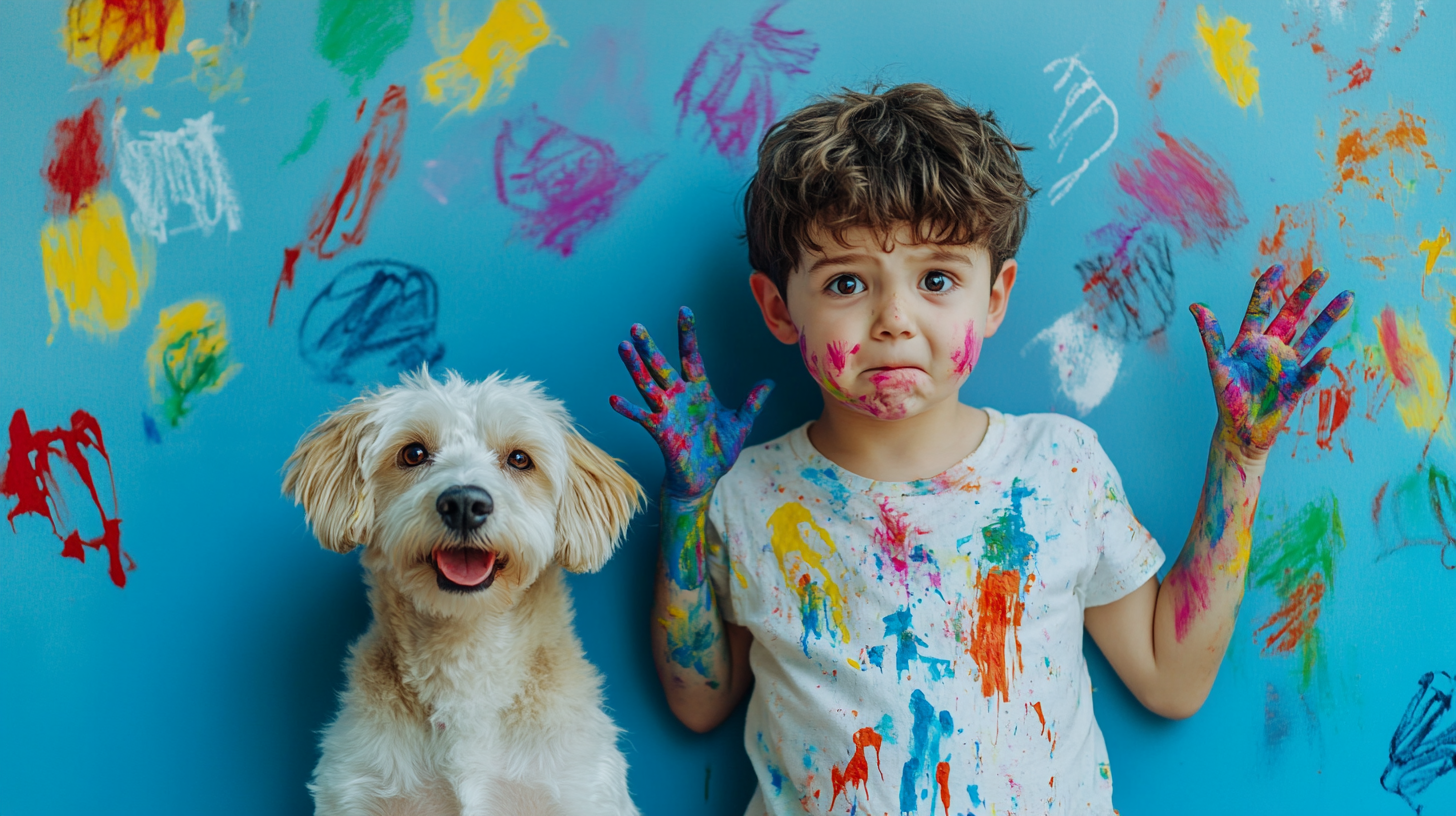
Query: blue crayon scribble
[925, 734]
[1423, 748]
[898, 625]
[149, 427]
[372, 310]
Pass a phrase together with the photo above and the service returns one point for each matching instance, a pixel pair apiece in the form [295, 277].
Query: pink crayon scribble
[1181, 187]
[561, 183]
[965, 358]
[29, 477]
[730, 84]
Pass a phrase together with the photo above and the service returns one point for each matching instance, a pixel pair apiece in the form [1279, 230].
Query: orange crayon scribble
[1294, 622]
[126, 36]
[1396, 137]
[998, 610]
[856, 773]
[1291, 243]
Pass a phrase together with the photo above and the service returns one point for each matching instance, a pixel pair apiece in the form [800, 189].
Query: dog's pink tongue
[465, 566]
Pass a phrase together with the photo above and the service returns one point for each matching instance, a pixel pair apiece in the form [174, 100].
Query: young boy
[904, 581]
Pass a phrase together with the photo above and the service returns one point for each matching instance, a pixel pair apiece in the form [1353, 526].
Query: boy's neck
[916, 447]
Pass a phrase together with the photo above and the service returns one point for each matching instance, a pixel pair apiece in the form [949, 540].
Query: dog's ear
[326, 475]
[600, 500]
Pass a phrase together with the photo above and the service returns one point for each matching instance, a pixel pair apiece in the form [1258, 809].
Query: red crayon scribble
[730, 84]
[1351, 59]
[1396, 362]
[1130, 285]
[1334, 409]
[1293, 622]
[1291, 242]
[856, 774]
[367, 175]
[1167, 68]
[74, 160]
[942, 781]
[998, 610]
[561, 183]
[1182, 187]
[29, 477]
[120, 27]
[1360, 74]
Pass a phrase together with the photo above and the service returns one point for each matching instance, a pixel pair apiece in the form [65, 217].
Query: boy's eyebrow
[948, 256]
[836, 260]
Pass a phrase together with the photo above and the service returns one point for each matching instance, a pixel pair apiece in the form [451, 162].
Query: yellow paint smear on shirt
[485, 69]
[796, 558]
[101, 35]
[90, 267]
[1227, 53]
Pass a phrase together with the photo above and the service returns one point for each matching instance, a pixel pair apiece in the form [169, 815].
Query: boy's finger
[1294, 308]
[755, 401]
[1310, 374]
[661, 369]
[1261, 304]
[646, 386]
[687, 346]
[1333, 313]
[1209, 331]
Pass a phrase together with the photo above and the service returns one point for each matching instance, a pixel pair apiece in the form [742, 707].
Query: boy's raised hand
[1263, 375]
[700, 438]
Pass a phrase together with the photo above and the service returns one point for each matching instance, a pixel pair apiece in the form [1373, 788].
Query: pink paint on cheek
[965, 358]
[837, 357]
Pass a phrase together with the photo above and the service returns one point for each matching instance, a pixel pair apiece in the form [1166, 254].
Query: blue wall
[200, 685]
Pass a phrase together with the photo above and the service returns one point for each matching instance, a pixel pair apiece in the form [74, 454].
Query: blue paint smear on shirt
[925, 734]
[877, 656]
[827, 480]
[1008, 545]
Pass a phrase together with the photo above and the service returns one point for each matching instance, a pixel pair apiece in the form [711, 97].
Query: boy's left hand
[1258, 381]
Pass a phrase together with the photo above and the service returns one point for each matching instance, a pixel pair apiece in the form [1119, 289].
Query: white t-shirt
[917, 646]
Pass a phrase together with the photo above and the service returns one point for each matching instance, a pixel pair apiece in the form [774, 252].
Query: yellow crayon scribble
[1416, 379]
[100, 36]
[88, 262]
[188, 356]
[484, 68]
[1227, 54]
[152, 112]
[1434, 249]
[216, 70]
[796, 558]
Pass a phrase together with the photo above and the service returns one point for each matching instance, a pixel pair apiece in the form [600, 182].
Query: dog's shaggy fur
[469, 698]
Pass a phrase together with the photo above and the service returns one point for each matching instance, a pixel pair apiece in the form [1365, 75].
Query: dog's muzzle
[464, 508]
[464, 568]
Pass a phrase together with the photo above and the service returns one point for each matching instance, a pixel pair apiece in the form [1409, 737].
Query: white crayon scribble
[181, 167]
[1086, 360]
[1062, 136]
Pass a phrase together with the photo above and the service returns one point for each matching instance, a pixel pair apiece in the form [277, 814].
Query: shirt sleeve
[1126, 554]
[720, 562]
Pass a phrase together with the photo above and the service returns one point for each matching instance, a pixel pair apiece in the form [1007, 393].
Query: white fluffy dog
[469, 694]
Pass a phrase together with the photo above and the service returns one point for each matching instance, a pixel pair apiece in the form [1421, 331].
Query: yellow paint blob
[90, 268]
[484, 70]
[1435, 249]
[1418, 385]
[1227, 54]
[797, 559]
[104, 35]
[188, 356]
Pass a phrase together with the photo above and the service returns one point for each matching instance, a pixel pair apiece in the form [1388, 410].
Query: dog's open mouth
[464, 569]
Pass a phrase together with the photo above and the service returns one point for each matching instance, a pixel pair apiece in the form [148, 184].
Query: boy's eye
[846, 285]
[936, 282]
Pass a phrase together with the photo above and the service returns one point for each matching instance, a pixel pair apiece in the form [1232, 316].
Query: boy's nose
[892, 319]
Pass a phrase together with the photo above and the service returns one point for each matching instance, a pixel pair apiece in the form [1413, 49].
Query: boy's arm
[1166, 642]
[701, 659]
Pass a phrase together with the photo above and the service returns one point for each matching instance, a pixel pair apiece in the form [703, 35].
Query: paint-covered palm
[1260, 378]
[700, 438]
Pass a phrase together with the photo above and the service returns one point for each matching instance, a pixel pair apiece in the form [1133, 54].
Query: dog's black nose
[464, 507]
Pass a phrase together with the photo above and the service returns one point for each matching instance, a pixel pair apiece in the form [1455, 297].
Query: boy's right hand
[700, 438]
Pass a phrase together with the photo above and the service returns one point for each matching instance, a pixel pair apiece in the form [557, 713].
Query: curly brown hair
[882, 158]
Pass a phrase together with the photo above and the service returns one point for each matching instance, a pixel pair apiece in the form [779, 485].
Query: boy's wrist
[1246, 457]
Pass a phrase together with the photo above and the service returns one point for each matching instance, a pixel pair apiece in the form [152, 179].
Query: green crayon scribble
[1297, 562]
[189, 353]
[357, 36]
[316, 119]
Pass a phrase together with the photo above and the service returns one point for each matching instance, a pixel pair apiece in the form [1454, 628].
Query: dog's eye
[413, 455]
[519, 460]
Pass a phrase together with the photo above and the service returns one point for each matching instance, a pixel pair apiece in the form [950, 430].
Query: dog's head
[463, 491]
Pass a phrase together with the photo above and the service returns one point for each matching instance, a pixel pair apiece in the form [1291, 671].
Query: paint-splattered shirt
[918, 645]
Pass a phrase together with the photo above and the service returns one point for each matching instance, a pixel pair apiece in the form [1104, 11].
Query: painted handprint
[700, 438]
[1259, 379]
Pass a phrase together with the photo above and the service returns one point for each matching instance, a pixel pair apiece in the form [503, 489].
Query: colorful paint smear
[365, 178]
[856, 773]
[318, 116]
[561, 183]
[1087, 100]
[1297, 563]
[1417, 382]
[965, 357]
[481, 68]
[1351, 36]
[90, 269]
[357, 36]
[892, 539]
[189, 356]
[1423, 747]
[1418, 510]
[730, 86]
[176, 167]
[75, 162]
[1130, 285]
[925, 771]
[1181, 187]
[1001, 599]
[821, 603]
[125, 38]
[691, 637]
[1381, 154]
[1227, 51]
[30, 478]
[1086, 359]
[371, 313]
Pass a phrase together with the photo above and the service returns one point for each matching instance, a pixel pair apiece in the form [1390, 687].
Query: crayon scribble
[1434, 249]
[925, 770]
[1384, 157]
[89, 267]
[1181, 187]
[150, 429]
[1418, 510]
[480, 68]
[371, 312]
[1423, 747]
[1297, 563]
[365, 178]
[188, 356]
[821, 602]
[856, 773]
[1291, 243]
[216, 69]
[1096, 102]
[318, 115]
[1350, 36]
[610, 69]
[1130, 286]
[30, 478]
[357, 36]
[1415, 377]
[1008, 555]
[184, 167]
[1161, 50]
[1332, 404]
[730, 84]
[1227, 52]
[561, 183]
[1086, 359]
[126, 37]
[75, 161]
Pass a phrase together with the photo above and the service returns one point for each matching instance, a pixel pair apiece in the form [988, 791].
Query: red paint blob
[74, 163]
[856, 774]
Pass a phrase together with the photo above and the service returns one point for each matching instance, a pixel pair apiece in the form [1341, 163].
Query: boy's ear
[1000, 296]
[326, 475]
[775, 309]
[600, 500]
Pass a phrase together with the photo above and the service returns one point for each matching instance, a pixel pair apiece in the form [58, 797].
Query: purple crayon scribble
[730, 84]
[1423, 748]
[562, 183]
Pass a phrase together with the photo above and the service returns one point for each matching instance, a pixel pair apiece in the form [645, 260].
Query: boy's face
[888, 333]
